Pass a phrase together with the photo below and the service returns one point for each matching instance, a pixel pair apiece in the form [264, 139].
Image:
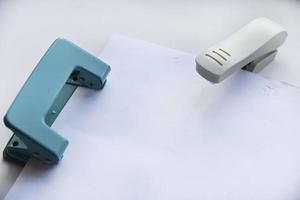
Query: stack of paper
[160, 131]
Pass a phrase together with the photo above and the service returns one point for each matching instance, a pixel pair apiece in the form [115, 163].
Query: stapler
[251, 48]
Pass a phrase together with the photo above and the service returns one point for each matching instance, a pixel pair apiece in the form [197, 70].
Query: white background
[28, 27]
[183, 138]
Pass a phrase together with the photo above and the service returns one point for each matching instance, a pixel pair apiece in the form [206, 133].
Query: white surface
[159, 131]
[247, 45]
[28, 27]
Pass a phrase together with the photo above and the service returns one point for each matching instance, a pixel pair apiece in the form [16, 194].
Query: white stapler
[251, 48]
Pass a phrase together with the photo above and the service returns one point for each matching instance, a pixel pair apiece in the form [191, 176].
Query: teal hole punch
[61, 70]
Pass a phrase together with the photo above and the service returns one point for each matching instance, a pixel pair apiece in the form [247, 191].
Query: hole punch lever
[251, 48]
[61, 70]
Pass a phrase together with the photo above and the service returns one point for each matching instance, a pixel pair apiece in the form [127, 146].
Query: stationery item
[251, 48]
[157, 131]
[64, 67]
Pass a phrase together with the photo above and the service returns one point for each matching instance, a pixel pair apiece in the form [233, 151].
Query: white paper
[160, 131]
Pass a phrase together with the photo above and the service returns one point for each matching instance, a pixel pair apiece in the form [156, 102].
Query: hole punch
[251, 48]
[74, 75]
[36, 154]
[60, 71]
[47, 160]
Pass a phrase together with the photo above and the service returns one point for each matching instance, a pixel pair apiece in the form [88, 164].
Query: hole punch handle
[61, 70]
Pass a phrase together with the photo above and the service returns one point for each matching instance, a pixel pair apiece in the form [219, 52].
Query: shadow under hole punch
[61, 70]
